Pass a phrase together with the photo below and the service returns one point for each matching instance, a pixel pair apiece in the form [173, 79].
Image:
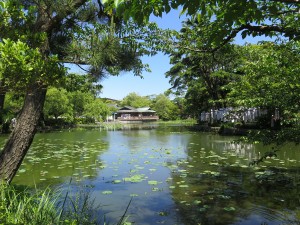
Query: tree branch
[289, 32]
[55, 21]
[266, 28]
[74, 61]
[288, 1]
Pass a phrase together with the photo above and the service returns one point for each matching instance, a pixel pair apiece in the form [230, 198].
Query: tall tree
[82, 32]
[201, 74]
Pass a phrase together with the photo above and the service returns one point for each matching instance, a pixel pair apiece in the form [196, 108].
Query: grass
[25, 207]
[180, 122]
[47, 207]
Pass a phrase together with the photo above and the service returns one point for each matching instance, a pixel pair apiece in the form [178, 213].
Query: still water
[169, 175]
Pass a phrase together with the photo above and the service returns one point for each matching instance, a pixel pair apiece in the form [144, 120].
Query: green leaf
[229, 209]
[152, 182]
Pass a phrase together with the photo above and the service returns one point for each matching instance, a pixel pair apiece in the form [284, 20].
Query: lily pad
[117, 181]
[229, 209]
[152, 182]
[135, 178]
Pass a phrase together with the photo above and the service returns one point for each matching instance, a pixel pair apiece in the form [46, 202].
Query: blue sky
[117, 87]
[151, 83]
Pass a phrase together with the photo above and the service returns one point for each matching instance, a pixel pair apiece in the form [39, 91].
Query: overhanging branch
[288, 1]
[263, 29]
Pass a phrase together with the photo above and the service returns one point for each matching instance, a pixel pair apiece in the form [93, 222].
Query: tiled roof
[129, 109]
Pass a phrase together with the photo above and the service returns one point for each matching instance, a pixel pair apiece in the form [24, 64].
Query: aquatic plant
[44, 207]
[27, 207]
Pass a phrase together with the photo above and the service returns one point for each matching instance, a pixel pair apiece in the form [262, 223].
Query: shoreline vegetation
[222, 129]
[114, 125]
[20, 205]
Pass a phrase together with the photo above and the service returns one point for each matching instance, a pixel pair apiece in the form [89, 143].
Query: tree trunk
[22, 136]
[2, 98]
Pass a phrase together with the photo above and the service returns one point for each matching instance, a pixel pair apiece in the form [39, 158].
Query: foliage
[97, 110]
[79, 208]
[84, 33]
[201, 75]
[52, 33]
[181, 103]
[165, 108]
[184, 122]
[79, 100]
[75, 106]
[21, 66]
[269, 80]
[44, 207]
[228, 19]
[13, 105]
[82, 83]
[278, 137]
[27, 208]
[57, 104]
[135, 100]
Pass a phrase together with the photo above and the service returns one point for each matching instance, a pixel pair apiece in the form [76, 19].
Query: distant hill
[111, 100]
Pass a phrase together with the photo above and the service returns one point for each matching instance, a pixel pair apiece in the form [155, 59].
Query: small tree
[57, 104]
[135, 100]
[97, 110]
[165, 108]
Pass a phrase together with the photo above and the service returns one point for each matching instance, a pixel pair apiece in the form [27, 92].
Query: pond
[168, 175]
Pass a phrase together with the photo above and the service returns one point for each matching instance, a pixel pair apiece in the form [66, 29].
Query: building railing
[138, 118]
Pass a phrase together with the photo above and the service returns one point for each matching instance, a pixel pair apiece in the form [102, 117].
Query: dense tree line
[165, 108]
[74, 102]
[71, 105]
[264, 75]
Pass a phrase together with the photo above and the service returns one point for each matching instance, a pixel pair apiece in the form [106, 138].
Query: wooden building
[131, 114]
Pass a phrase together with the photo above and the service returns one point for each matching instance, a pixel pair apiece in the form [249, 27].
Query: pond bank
[119, 126]
[222, 130]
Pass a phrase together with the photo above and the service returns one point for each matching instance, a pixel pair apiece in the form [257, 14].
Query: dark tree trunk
[22, 136]
[2, 98]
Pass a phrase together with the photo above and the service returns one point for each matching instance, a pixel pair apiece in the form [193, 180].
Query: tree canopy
[38, 37]
[270, 79]
[201, 75]
[229, 18]
[135, 100]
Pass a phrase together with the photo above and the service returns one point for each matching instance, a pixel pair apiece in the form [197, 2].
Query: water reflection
[56, 157]
[214, 184]
[174, 176]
